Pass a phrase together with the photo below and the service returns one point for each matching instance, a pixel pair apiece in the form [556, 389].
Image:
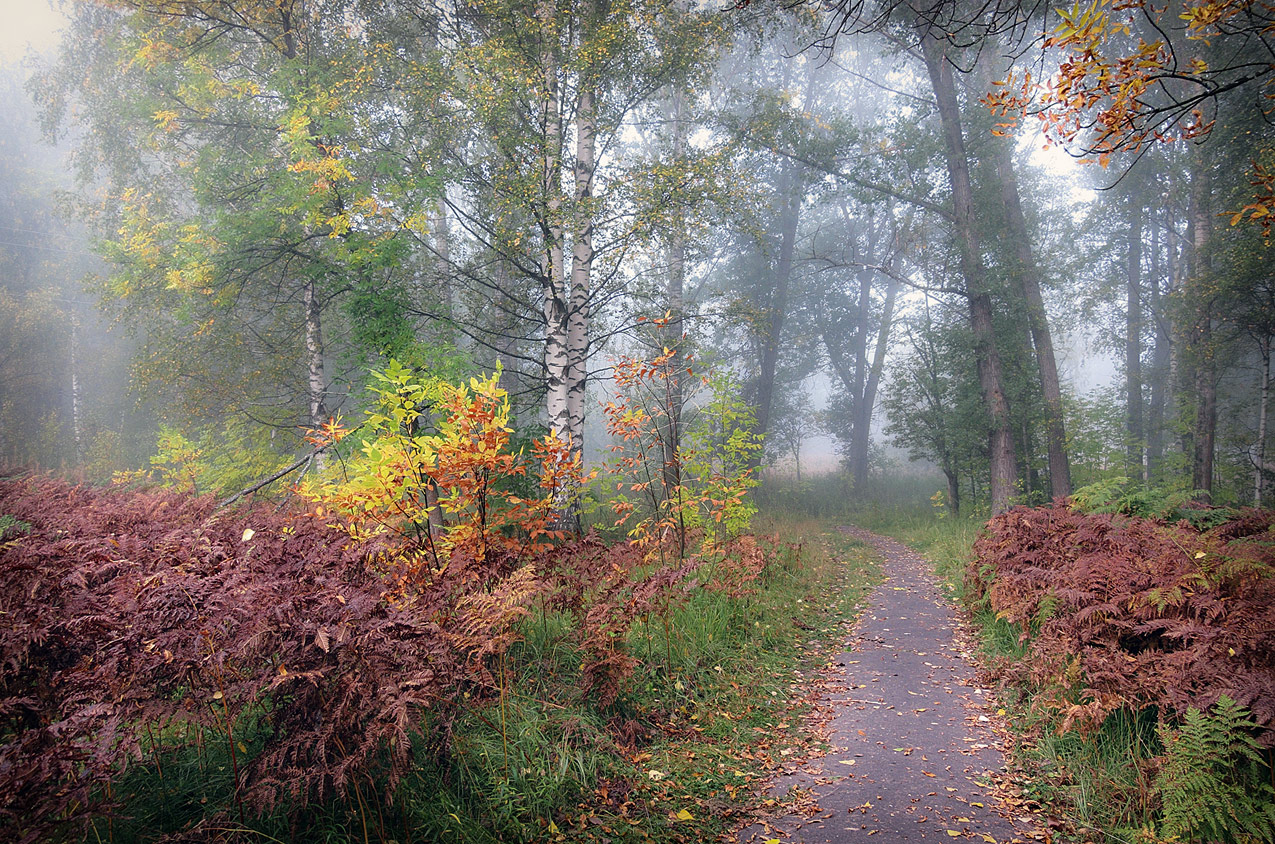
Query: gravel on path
[913, 756]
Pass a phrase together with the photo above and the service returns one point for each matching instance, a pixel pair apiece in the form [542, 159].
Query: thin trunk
[790, 194]
[778, 307]
[1133, 339]
[672, 435]
[1205, 429]
[1004, 475]
[1028, 272]
[863, 412]
[317, 386]
[554, 284]
[442, 249]
[1259, 481]
[1159, 376]
[581, 267]
[76, 405]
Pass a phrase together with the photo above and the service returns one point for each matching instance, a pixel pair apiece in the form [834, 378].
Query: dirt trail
[913, 750]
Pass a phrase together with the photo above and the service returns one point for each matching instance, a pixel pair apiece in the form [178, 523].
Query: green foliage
[1103, 778]
[1214, 785]
[721, 448]
[12, 527]
[211, 460]
[1119, 495]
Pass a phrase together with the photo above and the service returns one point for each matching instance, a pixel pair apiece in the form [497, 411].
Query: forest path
[913, 753]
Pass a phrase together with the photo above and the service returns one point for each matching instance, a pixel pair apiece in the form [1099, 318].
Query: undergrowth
[1141, 769]
[518, 749]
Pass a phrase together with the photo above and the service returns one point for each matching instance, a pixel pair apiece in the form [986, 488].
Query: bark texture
[1004, 472]
[1029, 278]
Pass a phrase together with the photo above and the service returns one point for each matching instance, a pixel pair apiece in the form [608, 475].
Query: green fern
[1100, 497]
[1212, 786]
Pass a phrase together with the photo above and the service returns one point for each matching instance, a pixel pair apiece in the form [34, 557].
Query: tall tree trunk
[671, 436]
[1133, 338]
[317, 382]
[953, 490]
[790, 194]
[1037, 322]
[777, 310]
[864, 407]
[859, 370]
[443, 252]
[1159, 376]
[77, 427]
[554, 292]
[1205, 428]
[1263, 404]
[581, 265]
[1004, 473]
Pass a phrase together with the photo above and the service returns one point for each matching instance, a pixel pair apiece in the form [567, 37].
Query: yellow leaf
[684, 815]
[248, 534]
[954, 833]
[553, 828]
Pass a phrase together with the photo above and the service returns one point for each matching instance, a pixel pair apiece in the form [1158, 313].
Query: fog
[220, 224]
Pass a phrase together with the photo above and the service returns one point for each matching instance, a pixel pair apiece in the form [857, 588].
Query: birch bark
[581, 263]
[554, 290]
[317, 382]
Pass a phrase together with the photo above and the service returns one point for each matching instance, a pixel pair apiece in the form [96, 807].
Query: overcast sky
[27, 24]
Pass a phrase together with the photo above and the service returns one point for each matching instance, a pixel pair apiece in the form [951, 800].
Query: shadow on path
[913, 753]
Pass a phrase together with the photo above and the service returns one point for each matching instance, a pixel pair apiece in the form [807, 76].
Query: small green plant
[11, 527]
[1213, 784]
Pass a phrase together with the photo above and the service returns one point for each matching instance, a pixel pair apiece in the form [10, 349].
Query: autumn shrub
[682, 463]
[1115, 618]
[260, 666]
[136, 621]
[1125, 612]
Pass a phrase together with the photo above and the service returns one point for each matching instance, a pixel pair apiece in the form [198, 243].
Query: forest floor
[915, 738]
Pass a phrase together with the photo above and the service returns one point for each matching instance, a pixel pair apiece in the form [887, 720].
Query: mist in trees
[222, 216]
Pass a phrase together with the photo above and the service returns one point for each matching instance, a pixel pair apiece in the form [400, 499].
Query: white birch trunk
[554, 283]
[76, 424]
[317, 386]
[442, 249]
[672, 435]
[581, 268]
